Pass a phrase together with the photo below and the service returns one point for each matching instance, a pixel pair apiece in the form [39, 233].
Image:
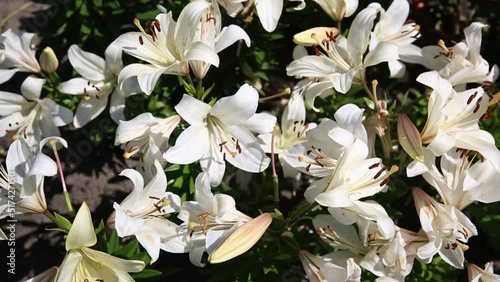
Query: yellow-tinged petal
[315, 36]
[410, 138]
[242, 239]
[82, 232]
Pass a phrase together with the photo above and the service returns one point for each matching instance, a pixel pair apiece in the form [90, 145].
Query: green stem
[199, 89]
[53, 218]
[303, 211]
[369, 92]
[276, 186]
[67, 199]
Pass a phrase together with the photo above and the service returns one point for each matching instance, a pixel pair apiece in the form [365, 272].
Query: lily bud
[410, 138]
[242, 239]
[315, 36]
[48, 60]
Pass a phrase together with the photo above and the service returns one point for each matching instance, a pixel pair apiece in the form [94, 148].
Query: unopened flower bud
[410, 138]
[242, 239]
[48, 60]
[315, 36]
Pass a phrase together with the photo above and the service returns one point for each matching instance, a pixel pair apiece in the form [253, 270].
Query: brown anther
[212, 19]
[479, 100]
[308, 152]
[486, 115]
[140, 41]
[157, 25]
[464, 233]
[308, 167]
[374, 165]
[471, 97]
[316, 51]
[379, 172]
[385, 181]
[224, 156]
[476, 109]
[88, 83]
[331, 36]
[447, 246]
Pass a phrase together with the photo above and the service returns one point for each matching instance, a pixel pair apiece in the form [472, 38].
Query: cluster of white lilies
[338, 154]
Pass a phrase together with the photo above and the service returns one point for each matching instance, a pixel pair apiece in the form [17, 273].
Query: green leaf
[172, 167]
[278, 213]
[98, 3]
[62, 221]
[128, 250]
[112, 244]
[369, 103]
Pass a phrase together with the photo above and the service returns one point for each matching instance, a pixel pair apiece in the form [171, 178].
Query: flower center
[315, 156]
[226, 142]
[294, 134]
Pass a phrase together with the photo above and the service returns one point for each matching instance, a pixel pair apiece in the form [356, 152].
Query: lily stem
[276, 186]
[67, 199]
[48, 214]
[369, 92]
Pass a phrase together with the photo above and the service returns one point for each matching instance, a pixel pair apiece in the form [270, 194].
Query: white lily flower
[463, 62]
[167, 48]
[143, 209]
[453, 119]
[338, 9]
[393, 27]
[293, 131]
[461, 182]
[97, 84]
[339, 235]
[82, 263]
[325, 144]
[26, 168]
[477, 274]
[233, 7]
[147, 136]
[30, 116]
[390, 256]
[343, 61]
[46, 276]
[222, 133]
[209, 31]
[320, 269]
[269, 12]
[208, 221]
[447, 229]
[18, 55]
